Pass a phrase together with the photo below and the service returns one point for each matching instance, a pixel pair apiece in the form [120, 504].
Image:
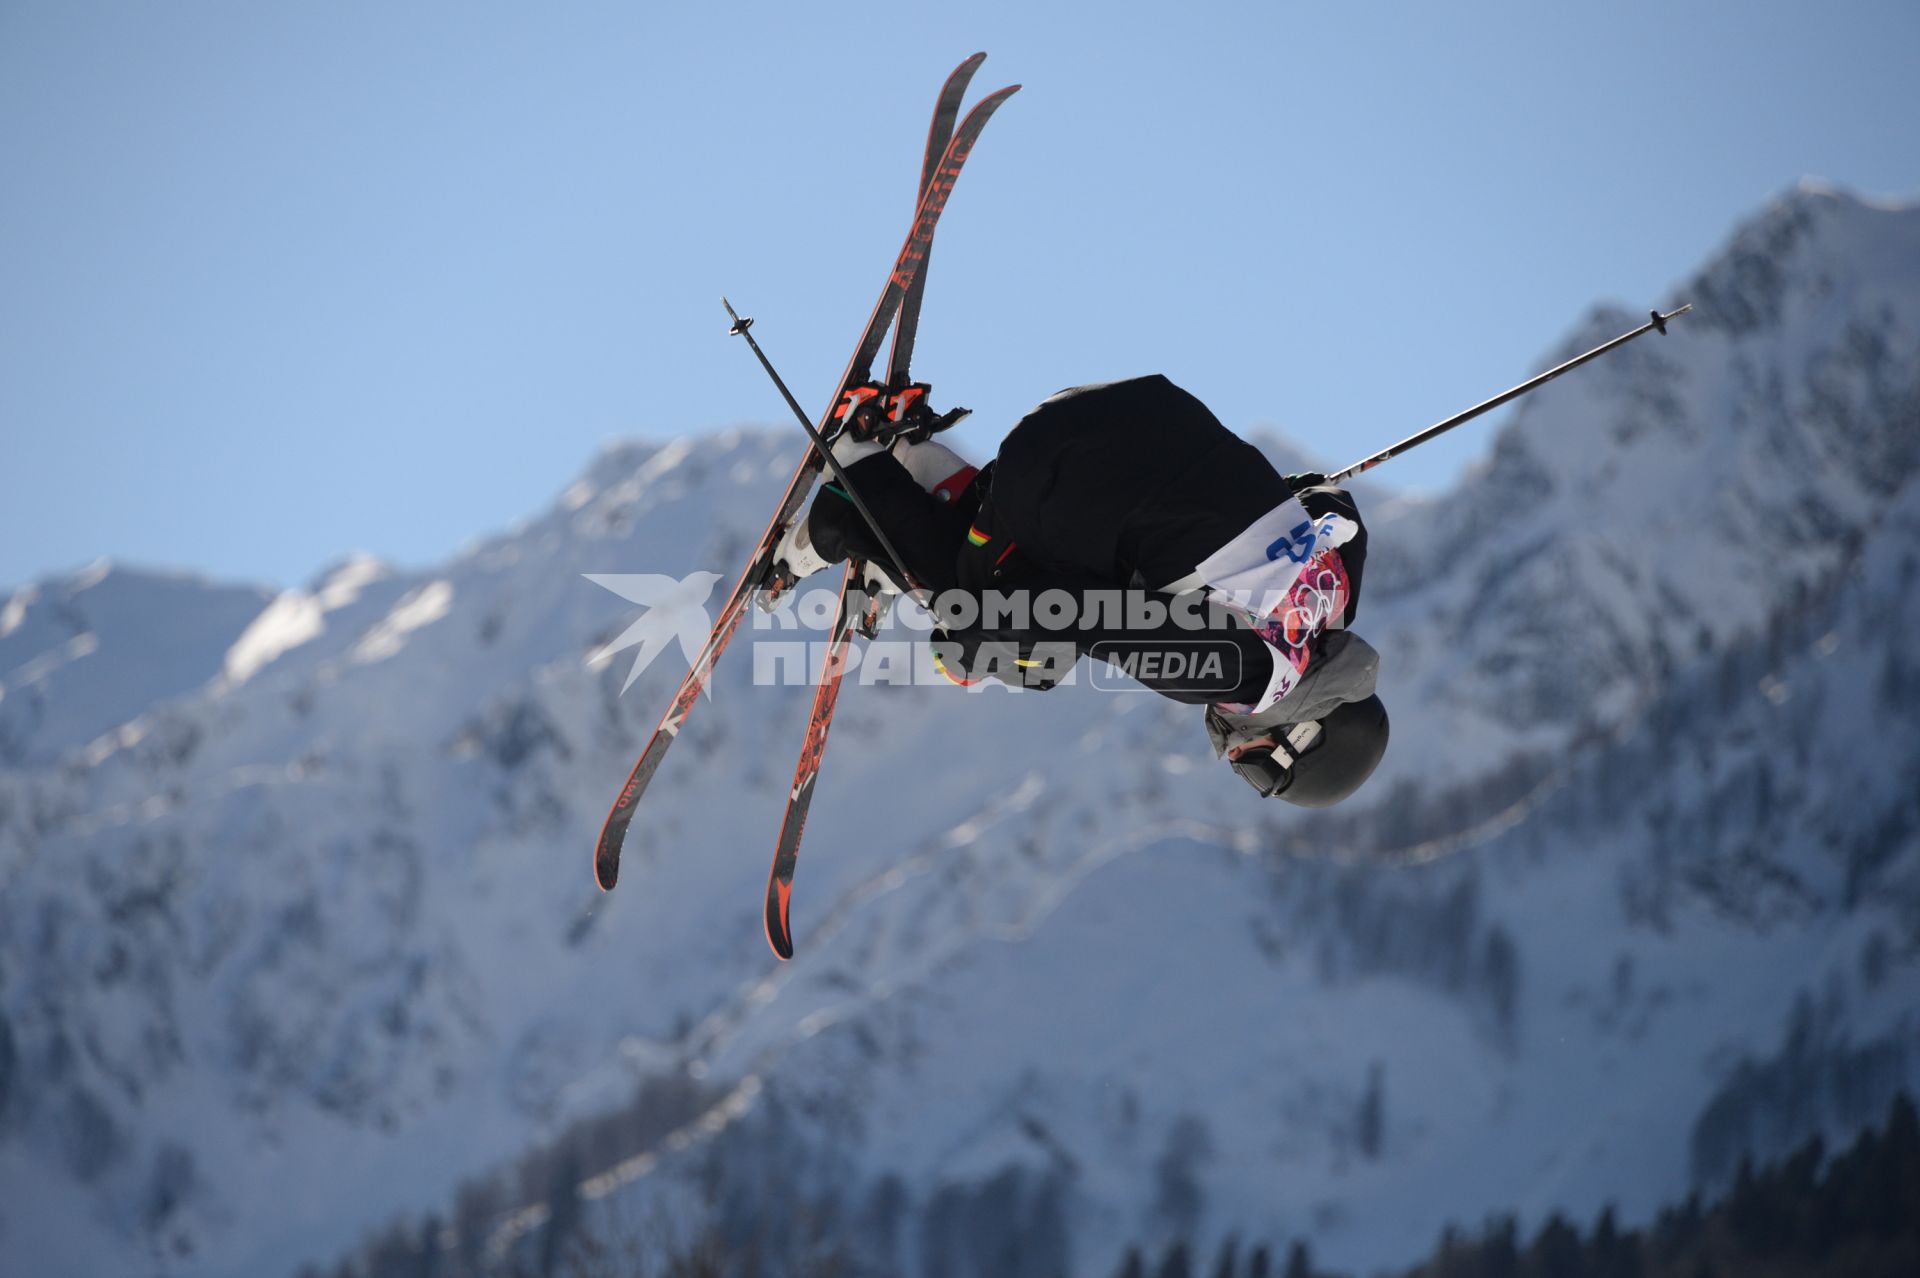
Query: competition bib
[1255, 570]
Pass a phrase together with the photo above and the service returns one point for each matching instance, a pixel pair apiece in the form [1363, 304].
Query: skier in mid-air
[1120, 521]
[1185, 558]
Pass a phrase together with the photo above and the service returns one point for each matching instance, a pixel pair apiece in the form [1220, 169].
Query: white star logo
[676, 609]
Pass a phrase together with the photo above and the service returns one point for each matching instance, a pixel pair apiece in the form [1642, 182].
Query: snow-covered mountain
[298, 930]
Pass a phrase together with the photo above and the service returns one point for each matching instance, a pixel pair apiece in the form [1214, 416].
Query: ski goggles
[1267, 764]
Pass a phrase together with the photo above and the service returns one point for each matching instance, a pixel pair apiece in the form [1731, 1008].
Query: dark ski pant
[1186, 648]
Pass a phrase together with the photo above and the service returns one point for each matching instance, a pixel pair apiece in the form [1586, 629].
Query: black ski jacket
[1125, 484]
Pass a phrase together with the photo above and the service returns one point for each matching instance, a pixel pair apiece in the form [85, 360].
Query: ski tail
[826, 694]
[945, 111]
[920, 239]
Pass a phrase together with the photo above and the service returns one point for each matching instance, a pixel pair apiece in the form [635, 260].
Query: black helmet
[1320, 762]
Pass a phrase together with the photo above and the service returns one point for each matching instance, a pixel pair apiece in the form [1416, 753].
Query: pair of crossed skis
[946, 152]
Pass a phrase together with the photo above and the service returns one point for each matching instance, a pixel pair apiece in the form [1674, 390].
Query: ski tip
[606, 850]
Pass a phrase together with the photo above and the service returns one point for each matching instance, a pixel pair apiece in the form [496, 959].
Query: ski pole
[1658, 323]
[740, 328]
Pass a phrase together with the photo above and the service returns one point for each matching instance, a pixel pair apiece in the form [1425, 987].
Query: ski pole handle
[1657, 322]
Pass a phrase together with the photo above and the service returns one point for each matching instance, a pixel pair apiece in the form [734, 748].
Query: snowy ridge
[85, 653]
[316, 940]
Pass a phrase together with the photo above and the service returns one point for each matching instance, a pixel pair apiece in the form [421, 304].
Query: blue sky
[282, 282]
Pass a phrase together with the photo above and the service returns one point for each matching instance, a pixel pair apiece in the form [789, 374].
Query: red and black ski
[826, 693]
[939, 133]
[786, 850]
[900, 280]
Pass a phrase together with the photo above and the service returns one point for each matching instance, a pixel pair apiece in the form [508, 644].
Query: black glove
[1305, 479]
